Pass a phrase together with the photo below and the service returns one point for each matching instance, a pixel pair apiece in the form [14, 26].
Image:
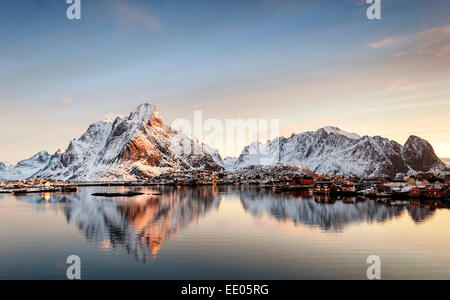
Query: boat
[19, 192]
[69, 188]
[33, 191]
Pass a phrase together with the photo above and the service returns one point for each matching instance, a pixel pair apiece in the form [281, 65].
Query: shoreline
[276, 189]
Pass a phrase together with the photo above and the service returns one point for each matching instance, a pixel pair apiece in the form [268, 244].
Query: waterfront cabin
[336, 188]
[415, 192]
[303, 181]
[348, 188]
[435, 193]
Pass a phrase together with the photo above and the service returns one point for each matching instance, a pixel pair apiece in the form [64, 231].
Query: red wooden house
[305, 180]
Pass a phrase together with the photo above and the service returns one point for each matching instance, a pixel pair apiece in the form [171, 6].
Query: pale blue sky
[308, 63]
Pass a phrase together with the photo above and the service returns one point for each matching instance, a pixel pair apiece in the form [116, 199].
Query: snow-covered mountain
[335, 130]
[141, 146]
[54, 159]
[229, 162]
[214, 154]
[28, 167]
[333, 151]
[135, 147]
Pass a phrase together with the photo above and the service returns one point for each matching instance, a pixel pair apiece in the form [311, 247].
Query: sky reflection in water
[219, 232]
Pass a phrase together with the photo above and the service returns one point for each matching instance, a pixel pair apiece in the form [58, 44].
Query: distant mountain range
[333, 151]
[29, 167]
[141, 146]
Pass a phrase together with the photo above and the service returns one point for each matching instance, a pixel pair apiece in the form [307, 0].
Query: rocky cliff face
[419, 155]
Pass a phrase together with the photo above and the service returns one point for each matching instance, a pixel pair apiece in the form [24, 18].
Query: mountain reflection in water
[325, 212]
[141, 224]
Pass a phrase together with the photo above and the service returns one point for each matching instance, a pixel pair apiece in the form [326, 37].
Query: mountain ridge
[25, 168]
[135, 147]
[140, 146]
[336, 152]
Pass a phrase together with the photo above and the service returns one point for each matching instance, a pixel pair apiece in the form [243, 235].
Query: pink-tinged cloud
[431, 42]
[66, 101]
[383, 43]
[435, 41]
[129, 15]
[401, 84]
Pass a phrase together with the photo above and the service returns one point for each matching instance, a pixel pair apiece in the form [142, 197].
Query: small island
[125, 194]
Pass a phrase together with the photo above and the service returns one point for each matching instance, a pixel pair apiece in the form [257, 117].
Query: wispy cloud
[433, 42]
[401, 84]
[66, 101]
[130, 15]
[383, 43]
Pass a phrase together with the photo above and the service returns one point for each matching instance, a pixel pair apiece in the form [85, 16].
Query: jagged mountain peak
[40, 154]
[138, 146]
[336, 130]
[420, 155]
[25, 168]
[333, 151]
[415, 140]
[143, 113]
[5, 165]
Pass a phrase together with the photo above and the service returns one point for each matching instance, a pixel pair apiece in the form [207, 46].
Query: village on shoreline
[402, 187]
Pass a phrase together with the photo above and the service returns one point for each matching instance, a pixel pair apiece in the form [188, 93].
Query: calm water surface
[218, 233]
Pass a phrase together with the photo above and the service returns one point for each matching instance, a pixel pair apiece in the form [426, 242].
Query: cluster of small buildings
[230, 178]
[424, 185]
[187, 178]
[36, 185]
[419, 186]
